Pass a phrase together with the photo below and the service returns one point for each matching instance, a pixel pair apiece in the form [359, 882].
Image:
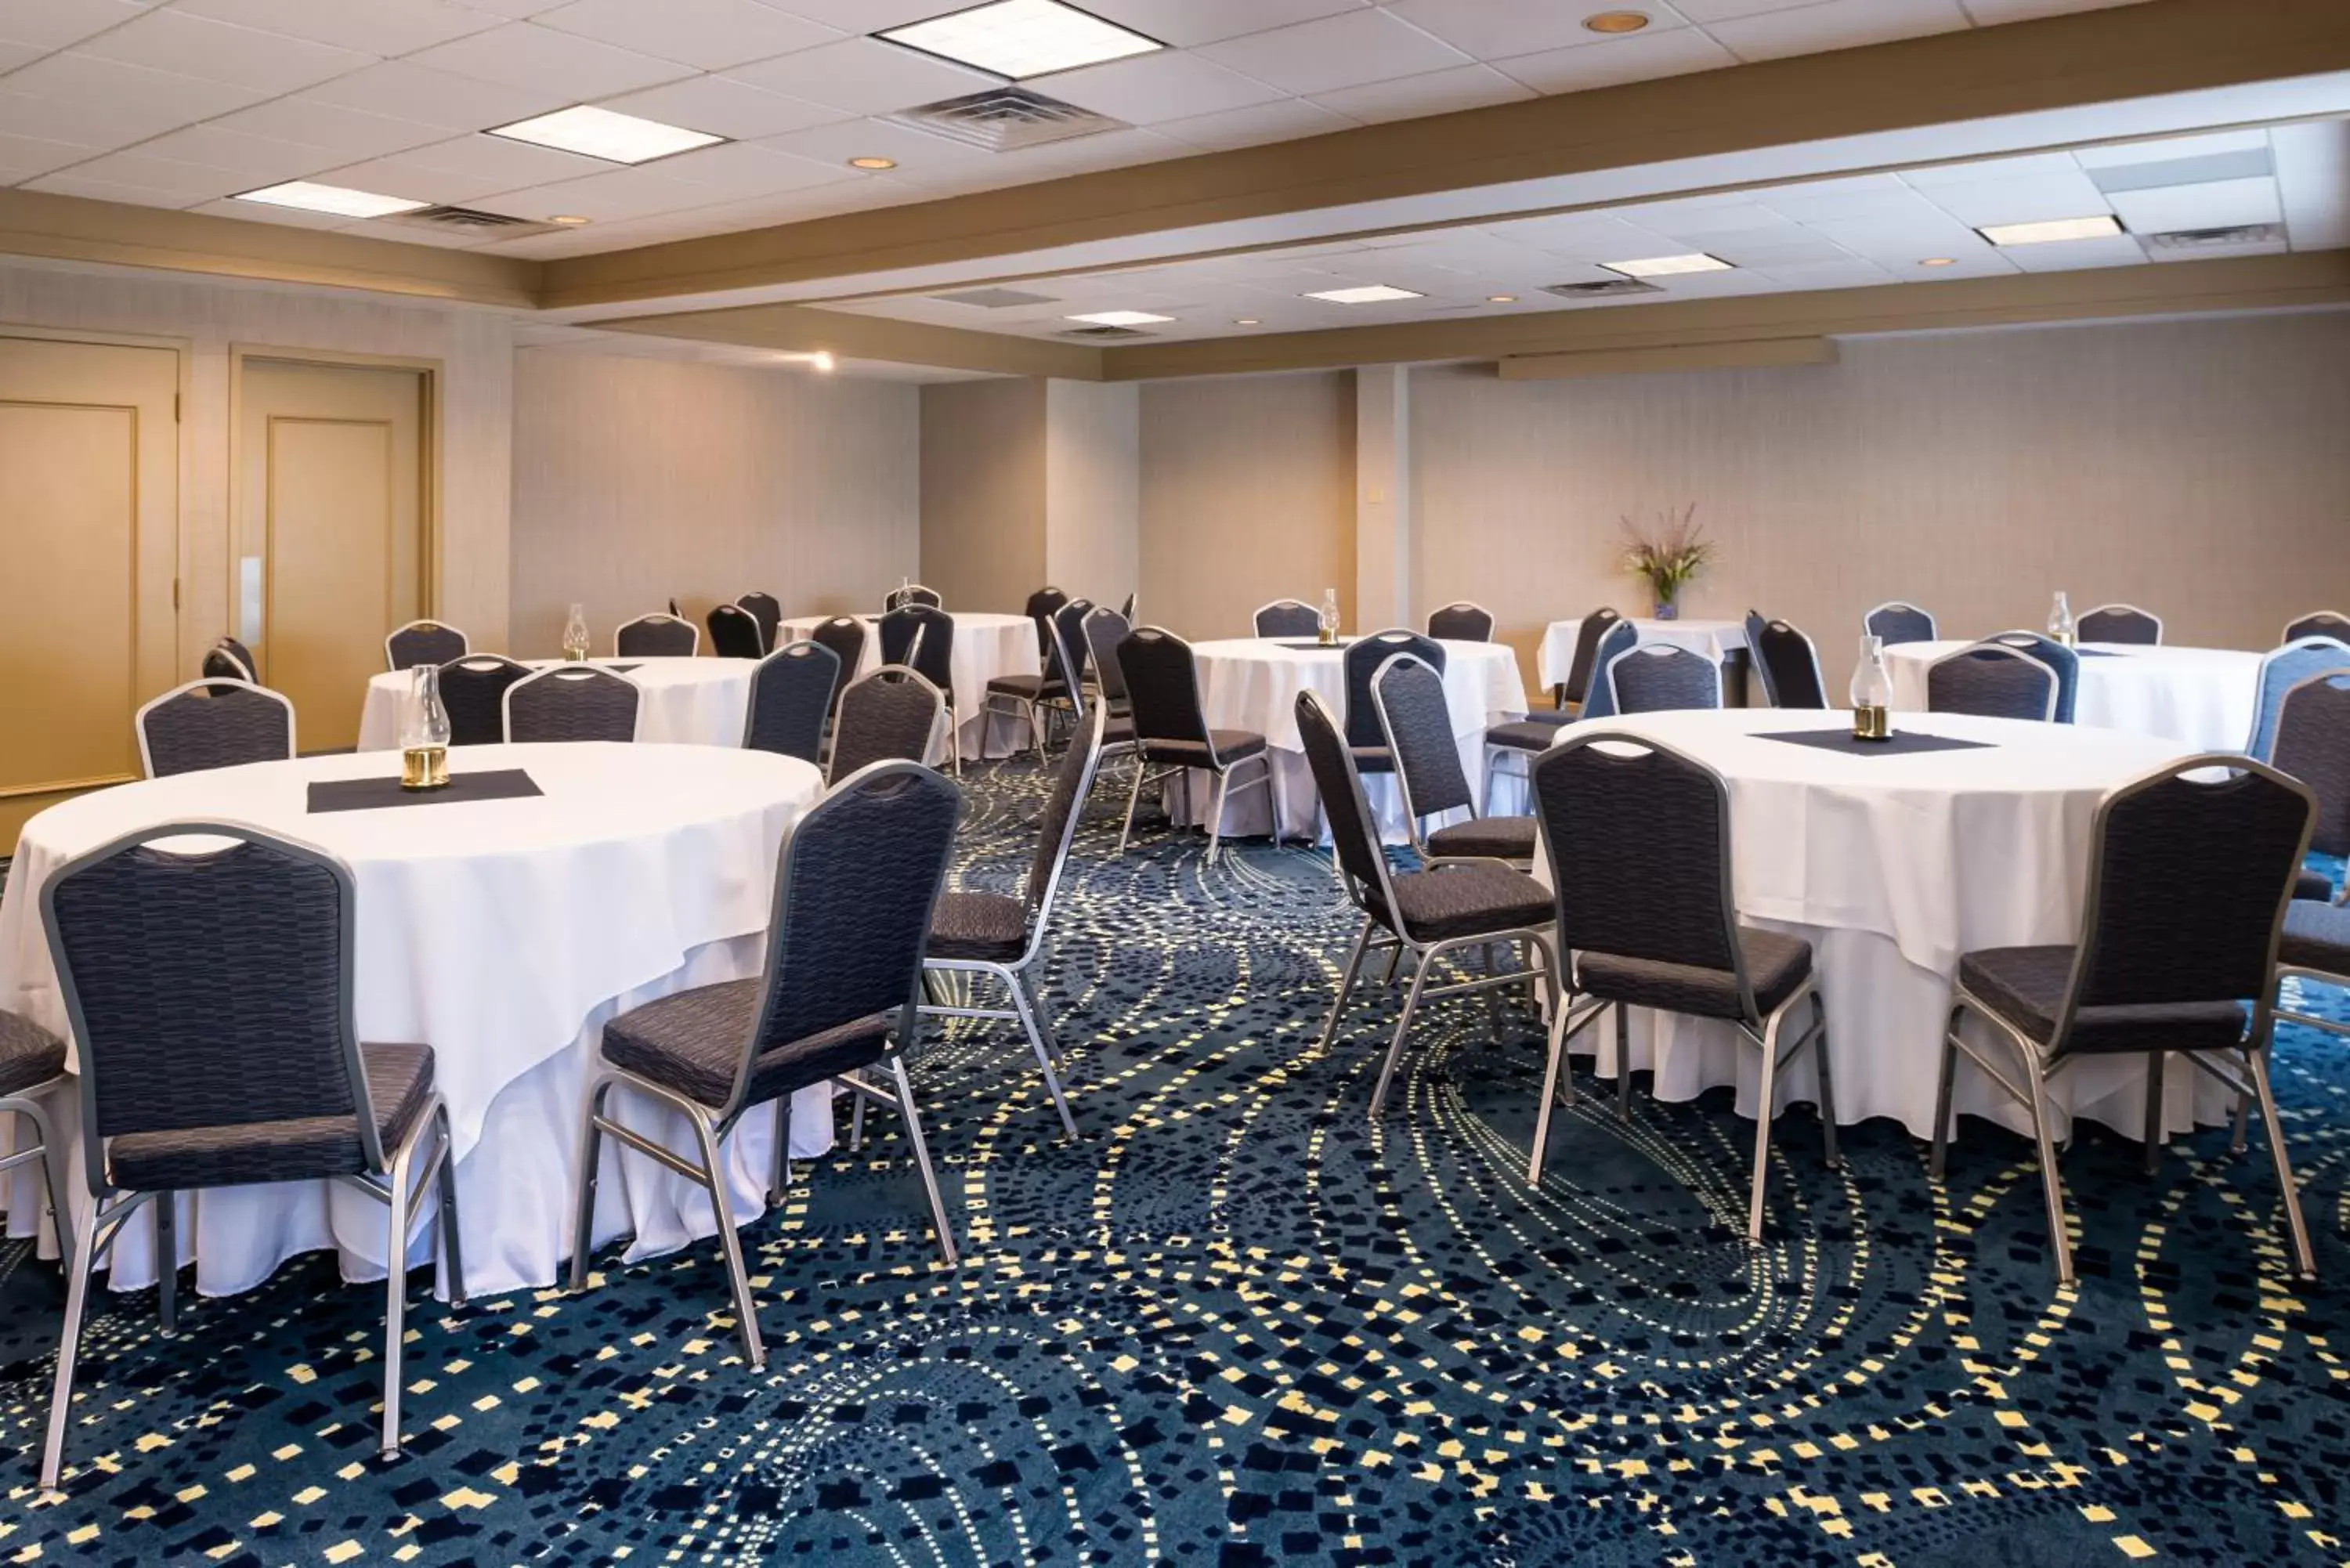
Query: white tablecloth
[986, 646]
[686, 702]
[1252, 683]
[1713, 639]
[504, 934]
[1892, 867]
[2201, 697]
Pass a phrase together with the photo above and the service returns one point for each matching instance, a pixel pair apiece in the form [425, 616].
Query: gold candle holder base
[1326, 638]
[424, 767]
[575, 656]
[1871, 724]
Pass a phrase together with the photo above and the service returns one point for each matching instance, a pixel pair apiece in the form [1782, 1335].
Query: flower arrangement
[1667, 557]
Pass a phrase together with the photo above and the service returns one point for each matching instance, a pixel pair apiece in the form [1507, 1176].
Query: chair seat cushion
[1775, 966]
[29, 1055]
[1231, 745]
[2316, 936]
[1117, 730]
[1490, 837]
[2314, 885]
[400, 1085]
[692, 1042]
[1533, 733]
[2026, 986]
[979, 926]
[1034, 688]
[1469, 899]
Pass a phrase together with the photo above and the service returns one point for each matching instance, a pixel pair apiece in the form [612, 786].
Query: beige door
[89, 461]
[331, 548]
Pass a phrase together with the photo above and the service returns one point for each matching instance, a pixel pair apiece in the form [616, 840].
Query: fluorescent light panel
[341, 199]
[1667, 266]
[1020, 38]
[1371, 294]
[1120, 319]
[2105, 225]
[602, 133]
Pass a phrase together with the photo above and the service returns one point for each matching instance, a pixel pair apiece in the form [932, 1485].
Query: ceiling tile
[1891, 202]
[260, 159]
[1147, 88]
[2171, 148]
[2038, 199]
[15, 55]
[617, 193]
[263, 212]
[22, 157]
[1644, 57]
[2313, 165]
[865, 15]
[337, 132]
[1494, 29]
[712, 33]
[1345, 50]
[405, 90]
[218, 51]
[864, 75]
[1432, 92]
[185, 183]
[2072, 255]
[2036, 164]
[480, 166]
[723, 107]
[1902, 243]
[917, 152]
[84, 81]
[1187, 24]
[1703, 12]
[524, 53]
[1836, 25]
[381, 27]
[54, 23]
[2219, 205]
[69, 185]
[1083, 154]
[1283, 120]
[516, 10]
[740, 170]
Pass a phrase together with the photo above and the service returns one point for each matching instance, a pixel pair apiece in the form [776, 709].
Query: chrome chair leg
[2155, 1139]
[1133, 799]
[1346, 986]
[452, 1249]
[922, 1160]
[1027, 1011]
[1766, 1096]
[713, 1181]
[1825, 1062]
[1623, 1061]
[2051, 1187]
[857, 1127]
[779, 1186]
[1403, 1027]
[399, 1195]
[1556, 1069]
[2304, 1261]
[167, 1260]
[583, 1208]
[1942, 1093]
[82, 1258]
[1216, 816]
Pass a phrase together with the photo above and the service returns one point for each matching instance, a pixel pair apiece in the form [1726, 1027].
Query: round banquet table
[1893, 866]
[686, 702]
[2201, 697]
[986, 645]
[502, 933]
[1716, 640]
[1252, 683]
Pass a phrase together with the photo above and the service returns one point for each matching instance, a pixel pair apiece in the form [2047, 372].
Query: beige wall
[1093, 491]
[639, 479]
[983, 502]
[1247, 496]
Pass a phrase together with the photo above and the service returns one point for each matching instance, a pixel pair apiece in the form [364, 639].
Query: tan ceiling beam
[1746, 354]
[796, 329]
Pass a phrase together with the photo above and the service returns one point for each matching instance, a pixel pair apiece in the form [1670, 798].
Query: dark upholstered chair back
[2061, 661]
[572, 702]
[2323, 623]
[1788, 662]
[845, 635]
[1162, 684]
[2119, 623]
[911, 594]
[1354, 831]
[1620, 637]
[1070, 652]
[1662, 677]
[734, 633]
[1416, 727]
[2188, 884]
[1462, 622]
[473, 690]
[890, 714]
[1992, 683]
[921, 638]
[1898, 621]
[424, 642]
[1362, 659]
[1042, 605]
[2281, 671]
[213, 725]
[1063, 807]
[1638, 836]
[656, 636]
[2312, 744]
[229, 660]
[1105, 629]
[1288, 618]
[208, 990]
[768, 611]
[791, 697]
[1580, 669]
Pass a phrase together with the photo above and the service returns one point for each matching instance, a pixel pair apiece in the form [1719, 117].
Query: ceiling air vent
[1005, 119]
[469, 221]
[995, 298]
[2187, 242]
[1613, 286]
[1104, 334]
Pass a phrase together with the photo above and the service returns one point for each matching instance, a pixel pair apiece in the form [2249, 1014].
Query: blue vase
[1667, 610]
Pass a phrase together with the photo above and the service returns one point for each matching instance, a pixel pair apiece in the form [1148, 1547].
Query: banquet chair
[887, 714]
[1361, 661]
[2188, 887]
[1127, 609]
[2119, 623]
[1660, 676]
[1415, 721]
[791, 697]
[921, 637]
[1040, 609]
[1592, 699]
[855, 883]
[2062, 661]
[1991, 681]
[1287, 618]
[911, 594]
[1105, 629]
[656, 636]
[845, 635]
[32, 1068]
[2320, 623]
[572, 702]
[2283, 668]
[1422, 915]
[995, 936]
[1788, 662]
[768, 611]
[734, 633]
[1461, 621]
[473, 690]
[1896, 621]
[1658, 928]
[229, 660]
[2312, 744]
[211, 999]
[424, 642]
[213, 723]
[1026, 696]
[1171, 731]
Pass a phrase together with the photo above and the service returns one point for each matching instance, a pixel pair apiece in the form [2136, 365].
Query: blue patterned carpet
[1238, 1325]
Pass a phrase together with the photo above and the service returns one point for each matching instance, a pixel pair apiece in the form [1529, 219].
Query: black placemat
[2097, 654]
[1315, 647]
[368, 795]
[1902, 743]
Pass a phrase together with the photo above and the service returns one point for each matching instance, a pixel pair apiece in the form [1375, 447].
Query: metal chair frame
[1216, 764]
[569, 673]
[1933, 626]
[1414, 823]
[392, 659]
[1464, 606]
[139, 719]
[1256, 621]
[911, 594]
[1665, 650]
[2317, 623]
[654, 618]
[2119, 609]
[1976, 650]
[1033, 710]
[725, 615]
[1761, 666]
[942, 716]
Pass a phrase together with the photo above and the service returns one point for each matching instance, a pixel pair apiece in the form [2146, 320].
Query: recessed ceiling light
[873, 163]
[569, 220]
[341, 200]
[1120, 319]
[1616, 22]
[1370, 293]
[823, 361]
[1020, 38]
[1500, 299]
[2103, 227]
[1939, 260]
[1666, 266]
[1246, 321]
[603, 134]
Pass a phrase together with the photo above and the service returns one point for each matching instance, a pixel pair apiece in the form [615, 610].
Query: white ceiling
[182, 103]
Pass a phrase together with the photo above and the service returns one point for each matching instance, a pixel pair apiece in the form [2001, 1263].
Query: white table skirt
[1893, 867]
[686, 702]
[1716, 640]
[504, 934]
[986, 645]
[1252, 683]
[2200, 697]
